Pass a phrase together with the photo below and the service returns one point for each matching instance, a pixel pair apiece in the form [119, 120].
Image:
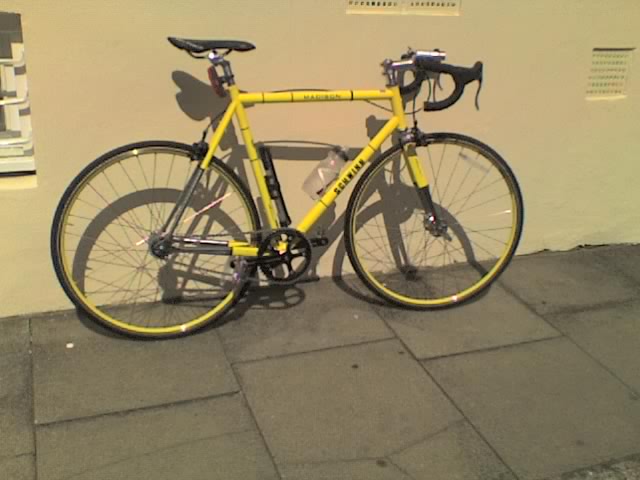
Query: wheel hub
[436, 226]
[159, 246]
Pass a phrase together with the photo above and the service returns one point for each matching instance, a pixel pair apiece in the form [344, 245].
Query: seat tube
[256, 163]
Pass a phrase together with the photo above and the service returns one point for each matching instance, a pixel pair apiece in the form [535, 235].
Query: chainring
[284, 255]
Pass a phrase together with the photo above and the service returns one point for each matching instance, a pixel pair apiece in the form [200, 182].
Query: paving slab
[493, 320]
[14, 335]
[350, 403]
[207, 439]
[629, 469]
[321, 316]
[455, 453]
[625, 258]
[370, 469]
[624, 469]
[571, 280]
[611, 335]
[18, 468]
[79, 372]
[546, 407]
[16, 405]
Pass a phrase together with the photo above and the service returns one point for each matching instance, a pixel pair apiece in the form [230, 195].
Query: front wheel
[103, 231]
[391, 241]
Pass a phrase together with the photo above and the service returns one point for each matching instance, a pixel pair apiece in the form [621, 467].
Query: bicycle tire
[182, 297]
[405, 281]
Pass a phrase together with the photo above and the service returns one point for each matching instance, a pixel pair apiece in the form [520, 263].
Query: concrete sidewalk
[537, 379]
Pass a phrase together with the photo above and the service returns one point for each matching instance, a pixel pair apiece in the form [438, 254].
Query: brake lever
[478, 92]
[437, 81]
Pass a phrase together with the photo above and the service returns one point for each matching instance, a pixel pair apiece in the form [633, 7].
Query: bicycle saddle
[201, 46]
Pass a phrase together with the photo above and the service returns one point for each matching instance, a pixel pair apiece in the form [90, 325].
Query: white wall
[100, 75]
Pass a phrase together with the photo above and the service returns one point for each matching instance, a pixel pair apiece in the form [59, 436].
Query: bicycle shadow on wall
[198, 101]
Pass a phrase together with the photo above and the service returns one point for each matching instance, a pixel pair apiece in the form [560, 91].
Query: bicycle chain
[245, 275]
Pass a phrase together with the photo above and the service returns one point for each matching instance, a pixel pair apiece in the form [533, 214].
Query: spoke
[453, 273]
[173, 159]
[122, 225]
[464, 180]
[99, 243]
[480, 204]
[436, 176]
[413, 229]
[375, 258]
[491, 254]
[104, 263]
[146, 181]
[443, 259]
[464, 227]
[82, 200]
[479, 232]
[149, 299]
[153, 190]
[133, 184]
[476, 191]
[108, 205]
[109, 254]
[130, 212]
[105, 283]
[398, 235]
[375, 219]
[414, 285]
[133, 306]
[444, 194]
[430, 241]
[371, 238]
[415, 255]
[135, 294]
[125, 290]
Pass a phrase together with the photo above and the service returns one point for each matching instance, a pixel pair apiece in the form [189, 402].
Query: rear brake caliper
[200, 149]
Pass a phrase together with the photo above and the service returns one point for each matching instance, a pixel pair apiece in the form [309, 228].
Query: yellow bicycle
[160, 238]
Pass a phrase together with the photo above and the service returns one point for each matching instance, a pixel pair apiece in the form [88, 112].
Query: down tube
[350, 173]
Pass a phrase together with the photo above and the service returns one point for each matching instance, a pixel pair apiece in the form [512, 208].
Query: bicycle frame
[236, 107]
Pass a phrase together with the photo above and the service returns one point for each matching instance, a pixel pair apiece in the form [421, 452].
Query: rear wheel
[389, 239]
[104, 226]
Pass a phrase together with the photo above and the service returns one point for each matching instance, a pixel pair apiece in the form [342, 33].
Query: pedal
[319, 242]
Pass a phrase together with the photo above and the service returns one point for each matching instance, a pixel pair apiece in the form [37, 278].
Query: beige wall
[100, 75]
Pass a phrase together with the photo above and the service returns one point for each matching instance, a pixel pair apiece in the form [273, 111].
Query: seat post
[219, 60]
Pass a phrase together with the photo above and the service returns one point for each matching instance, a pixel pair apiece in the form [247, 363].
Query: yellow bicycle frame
[238, 102]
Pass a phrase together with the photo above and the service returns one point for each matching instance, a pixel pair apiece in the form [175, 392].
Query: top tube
[314, 96]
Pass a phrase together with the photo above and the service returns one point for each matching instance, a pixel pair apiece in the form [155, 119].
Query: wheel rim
[476, 196]
[103, 237]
